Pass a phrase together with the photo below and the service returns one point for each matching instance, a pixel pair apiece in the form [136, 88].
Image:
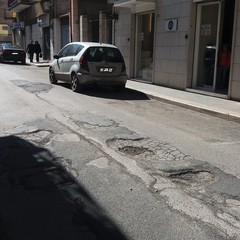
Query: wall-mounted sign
[17, 25]
[5, 27]
[4, 30]
[171, 25]
[43, 21]
[12, 3]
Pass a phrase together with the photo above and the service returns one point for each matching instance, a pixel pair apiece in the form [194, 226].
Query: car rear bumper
[17, 59]
[108, 81]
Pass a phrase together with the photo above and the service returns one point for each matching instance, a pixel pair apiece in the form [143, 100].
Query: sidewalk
[41, 63]
[215, 106]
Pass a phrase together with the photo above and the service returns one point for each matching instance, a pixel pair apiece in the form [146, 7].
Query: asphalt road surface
[111, 165]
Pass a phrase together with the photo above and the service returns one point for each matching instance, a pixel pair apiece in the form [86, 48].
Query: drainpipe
[113, 27]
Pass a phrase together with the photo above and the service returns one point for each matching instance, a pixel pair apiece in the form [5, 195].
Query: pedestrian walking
[38, 50]
[30, 50]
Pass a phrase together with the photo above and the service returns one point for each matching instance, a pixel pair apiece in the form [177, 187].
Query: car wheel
[52, 77]
[75, 85]
[23, 61]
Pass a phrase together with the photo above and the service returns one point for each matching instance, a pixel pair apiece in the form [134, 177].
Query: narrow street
[109, 165]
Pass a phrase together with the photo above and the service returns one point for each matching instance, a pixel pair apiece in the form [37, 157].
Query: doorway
[46, 43]
[214, 29]
[144, 46]
[65, 37]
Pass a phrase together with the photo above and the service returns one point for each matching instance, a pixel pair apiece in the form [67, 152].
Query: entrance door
[207, 44]
[144, 46]
[64, 31]
[46, 43]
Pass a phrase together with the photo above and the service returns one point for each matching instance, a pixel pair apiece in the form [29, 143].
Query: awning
[18, 5]
[130, 3]
[135, 5]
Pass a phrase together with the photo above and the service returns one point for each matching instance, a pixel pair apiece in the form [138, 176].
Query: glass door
[144, 46]
[207, 44]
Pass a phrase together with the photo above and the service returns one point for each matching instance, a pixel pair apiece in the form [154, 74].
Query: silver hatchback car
[88, 63]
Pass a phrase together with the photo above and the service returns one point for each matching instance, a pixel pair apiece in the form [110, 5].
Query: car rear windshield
[98, 54]
[9, 46]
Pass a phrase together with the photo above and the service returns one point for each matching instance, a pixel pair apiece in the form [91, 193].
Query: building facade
[6, 20]
[32, 23]
[54, 23]
[192, 45]
[179, 44]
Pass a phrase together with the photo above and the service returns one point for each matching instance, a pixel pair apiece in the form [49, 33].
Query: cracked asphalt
[69, 170]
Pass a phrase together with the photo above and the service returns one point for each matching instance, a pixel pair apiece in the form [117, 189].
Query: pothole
[91, 121]
[133, 151]
[32, 87]
[147, 149]
[192, 177]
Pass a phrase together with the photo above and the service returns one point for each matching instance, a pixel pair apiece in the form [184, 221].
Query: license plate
[105, 69]
[14, 53]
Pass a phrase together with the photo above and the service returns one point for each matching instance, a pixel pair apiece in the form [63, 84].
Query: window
[64, 51]
[98, 54]
[74, 50]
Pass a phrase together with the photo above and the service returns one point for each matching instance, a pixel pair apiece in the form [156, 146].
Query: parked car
[14, 53]
[88, 63]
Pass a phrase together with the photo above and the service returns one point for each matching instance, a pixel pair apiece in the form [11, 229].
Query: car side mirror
[56, 56]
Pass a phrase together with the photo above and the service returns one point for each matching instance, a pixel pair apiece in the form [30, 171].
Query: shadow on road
[40, 200]
[110, 93]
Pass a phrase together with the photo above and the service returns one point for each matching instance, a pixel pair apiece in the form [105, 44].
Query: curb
[223, 115]
[40, 64]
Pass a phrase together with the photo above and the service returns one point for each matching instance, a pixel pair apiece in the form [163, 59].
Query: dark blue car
[12, 53]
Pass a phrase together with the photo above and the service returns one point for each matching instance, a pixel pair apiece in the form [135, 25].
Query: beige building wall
[174, 50]
[75, 21]
[104, 26]
[83, 29]
[122, 35]
[171, 47]
[56, 36]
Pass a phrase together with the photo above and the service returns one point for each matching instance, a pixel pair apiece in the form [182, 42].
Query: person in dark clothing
[30, 50]
[38, 50]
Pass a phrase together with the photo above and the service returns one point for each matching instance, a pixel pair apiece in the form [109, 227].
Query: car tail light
[84, 64]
